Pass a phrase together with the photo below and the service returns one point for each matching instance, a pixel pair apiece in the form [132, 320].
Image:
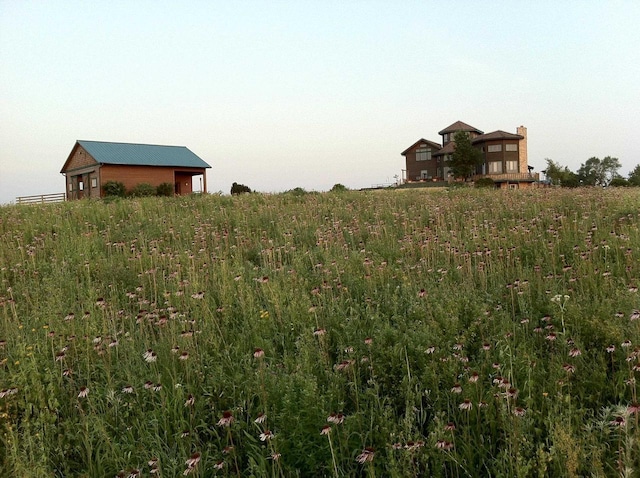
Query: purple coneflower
[519, 411]
[84, 391]
[127, 389]
[258, 353]
[190, 401]
[325, 430]
[149, 356]
[261, 418]
[574, 352]
[618, 422]
[456, 388]
[466, 405]
[366, 456]
[226, 420]
[337, 418]
[266, 435]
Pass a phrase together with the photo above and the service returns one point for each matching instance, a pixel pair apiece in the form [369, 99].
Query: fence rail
[41, 198]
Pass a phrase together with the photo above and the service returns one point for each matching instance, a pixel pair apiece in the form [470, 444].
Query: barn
[91, 164]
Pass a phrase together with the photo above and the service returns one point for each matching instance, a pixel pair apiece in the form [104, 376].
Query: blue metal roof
[142, 154]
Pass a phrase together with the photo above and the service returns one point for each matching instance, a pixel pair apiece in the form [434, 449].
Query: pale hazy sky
[281, 94]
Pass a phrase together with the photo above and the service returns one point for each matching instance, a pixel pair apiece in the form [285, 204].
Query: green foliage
[114, 188]
[485, 183]
[634, 176]
[297, 192]
[455, 332]
[465, 159]
[597, 172]
[338, 188]
[165, 189]
[142, 190]
[560, 176]
[239, 189]
[619, 182]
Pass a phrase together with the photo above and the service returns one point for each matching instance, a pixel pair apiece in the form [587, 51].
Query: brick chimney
[522, 150]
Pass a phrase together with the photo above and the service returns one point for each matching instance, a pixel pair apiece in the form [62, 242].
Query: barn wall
[131, 176]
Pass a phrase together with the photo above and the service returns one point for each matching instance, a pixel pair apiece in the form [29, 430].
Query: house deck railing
[509, 177]
[41, 198]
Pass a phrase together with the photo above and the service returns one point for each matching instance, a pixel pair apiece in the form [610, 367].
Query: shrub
[338, 188]
[297, 191]
[485, 183]
[239, 189]
[142, 190]
[114, 188]
[570, 182]
[165, 189]
[619, 182]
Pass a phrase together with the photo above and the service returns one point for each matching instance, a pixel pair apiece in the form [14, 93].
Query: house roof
[131, 154]
[449, 148]
[496, 135]
[421, 141]
[459, 126]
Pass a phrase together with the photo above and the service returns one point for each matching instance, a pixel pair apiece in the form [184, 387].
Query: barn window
[94, 182]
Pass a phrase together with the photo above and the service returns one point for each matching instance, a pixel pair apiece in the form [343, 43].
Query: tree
[465, 159]
[634, 176]
[597, 172]
[559, 175]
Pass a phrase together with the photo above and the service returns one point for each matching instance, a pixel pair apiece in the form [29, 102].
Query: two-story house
[504, 156]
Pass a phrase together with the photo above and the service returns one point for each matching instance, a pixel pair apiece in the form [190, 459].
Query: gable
[78, 158]
[432, 144]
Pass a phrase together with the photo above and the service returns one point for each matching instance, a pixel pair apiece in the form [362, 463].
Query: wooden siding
[414, 168]
[80, 159]
[131, 176]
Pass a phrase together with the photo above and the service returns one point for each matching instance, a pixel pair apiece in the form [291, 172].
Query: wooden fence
[41, 198]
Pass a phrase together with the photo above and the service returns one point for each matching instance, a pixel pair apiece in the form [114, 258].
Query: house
[91, 164]
[504, 157]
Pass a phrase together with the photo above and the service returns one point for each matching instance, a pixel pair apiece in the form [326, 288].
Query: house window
[94, 182]
[494, 148]
[423, 154]
[511, 147]
[80, 185]
[512, 166]
[70, 187]
[495, 167]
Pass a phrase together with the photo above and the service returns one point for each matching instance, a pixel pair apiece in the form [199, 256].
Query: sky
[283, 94]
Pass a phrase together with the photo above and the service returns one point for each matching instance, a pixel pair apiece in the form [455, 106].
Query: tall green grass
[453, 333]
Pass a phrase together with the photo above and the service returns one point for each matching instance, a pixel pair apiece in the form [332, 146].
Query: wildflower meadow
[453, 333]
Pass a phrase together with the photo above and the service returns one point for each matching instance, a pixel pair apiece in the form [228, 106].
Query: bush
[297, 191]
[142, 190]
[619, 183]
[113, 188]
[485, 183]
[338, 188]
[239, 189]
[165, 189]
[570, 182]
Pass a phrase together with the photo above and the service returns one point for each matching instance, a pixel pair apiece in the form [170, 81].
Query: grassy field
[428, 333]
